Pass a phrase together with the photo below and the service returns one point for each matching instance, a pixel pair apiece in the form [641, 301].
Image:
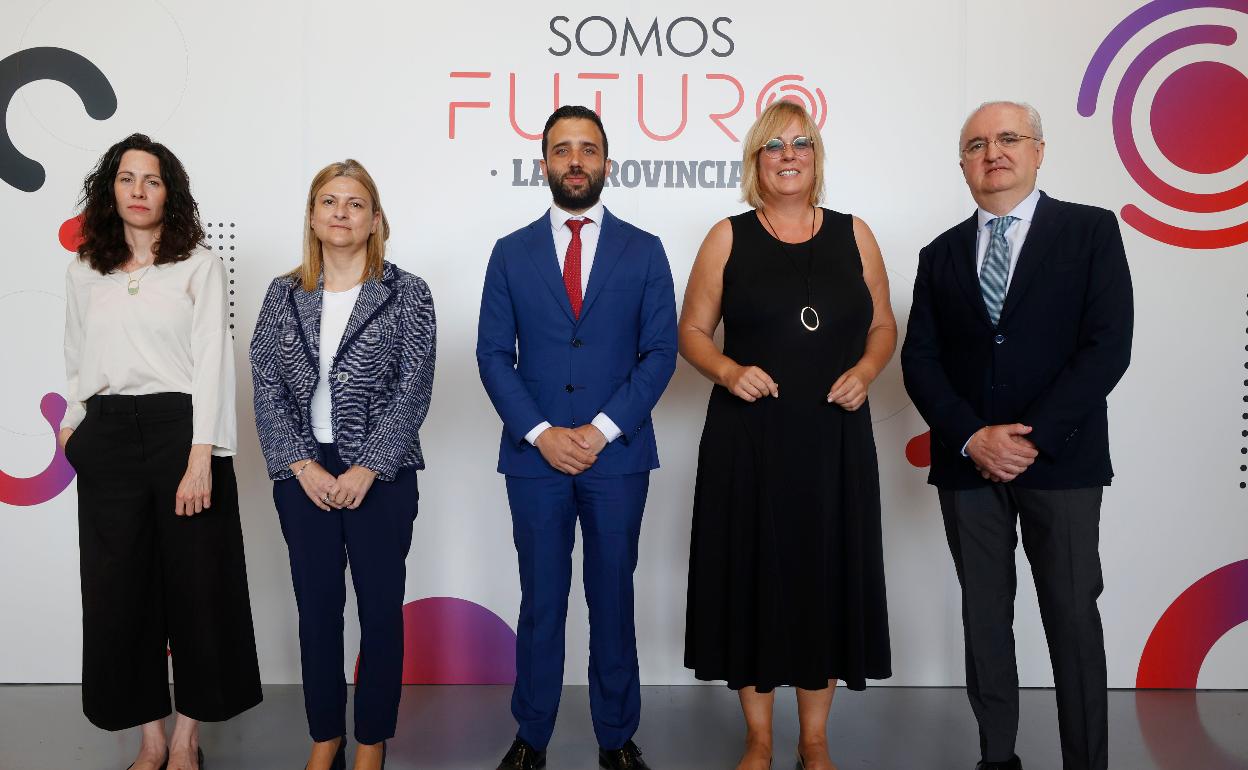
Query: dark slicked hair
[103, 235]
[574, 111]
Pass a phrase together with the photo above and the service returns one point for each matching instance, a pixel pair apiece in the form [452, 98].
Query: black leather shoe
[627, 757]
[1014, 763]
[522, 756]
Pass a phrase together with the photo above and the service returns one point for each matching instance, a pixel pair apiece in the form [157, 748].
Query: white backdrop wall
[255, 97]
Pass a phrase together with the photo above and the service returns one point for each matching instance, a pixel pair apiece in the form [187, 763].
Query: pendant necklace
[808, 316]
[132, 283]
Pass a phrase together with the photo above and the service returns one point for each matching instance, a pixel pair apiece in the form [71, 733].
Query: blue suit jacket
[380, 384]
[538, 363]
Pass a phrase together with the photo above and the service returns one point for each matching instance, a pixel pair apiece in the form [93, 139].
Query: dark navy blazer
[1063, 341]
[539, 364]
[380, 381]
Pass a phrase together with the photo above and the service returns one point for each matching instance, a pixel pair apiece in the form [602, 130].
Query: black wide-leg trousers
[151, 578]
[1061, 534]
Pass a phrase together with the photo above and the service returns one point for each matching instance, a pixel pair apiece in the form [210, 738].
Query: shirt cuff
[609, 429]
[75, 413]
[538, 429]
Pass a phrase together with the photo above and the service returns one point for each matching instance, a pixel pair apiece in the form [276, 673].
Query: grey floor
[682, 728]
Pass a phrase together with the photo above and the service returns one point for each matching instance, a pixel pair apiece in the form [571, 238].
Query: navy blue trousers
[374, 539]
[544, 512]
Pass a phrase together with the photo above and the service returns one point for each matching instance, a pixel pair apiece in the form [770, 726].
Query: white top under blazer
[172, 336]
[336, 307]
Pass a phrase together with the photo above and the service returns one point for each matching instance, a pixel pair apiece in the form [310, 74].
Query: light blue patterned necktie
[994, 274]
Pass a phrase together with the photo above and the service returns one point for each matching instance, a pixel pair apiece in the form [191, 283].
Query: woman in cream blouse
[150, 430]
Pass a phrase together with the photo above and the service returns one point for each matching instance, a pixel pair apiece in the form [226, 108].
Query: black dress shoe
[1013, 763]
[522, 756]
[627, 757]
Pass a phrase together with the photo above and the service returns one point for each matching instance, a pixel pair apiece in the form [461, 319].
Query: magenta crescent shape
[51, 481]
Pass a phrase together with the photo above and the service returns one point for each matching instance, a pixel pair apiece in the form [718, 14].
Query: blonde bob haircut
[310, 271]
[774, 120]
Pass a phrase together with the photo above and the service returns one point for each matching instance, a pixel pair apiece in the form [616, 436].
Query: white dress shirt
[589, 246]
[170, 337]
[1015, 234]
[336, 307]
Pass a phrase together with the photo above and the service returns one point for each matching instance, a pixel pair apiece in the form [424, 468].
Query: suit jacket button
[343, 377]
[577, 343]
[1000, 338]
[569, 388]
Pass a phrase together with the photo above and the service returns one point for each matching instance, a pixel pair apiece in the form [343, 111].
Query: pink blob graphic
[1191, 625]
[919, 450]
[454, 641]
[1200, 117]
[52, 480]
[70, 234]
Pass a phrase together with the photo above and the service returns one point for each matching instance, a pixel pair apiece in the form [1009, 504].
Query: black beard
[569, 201]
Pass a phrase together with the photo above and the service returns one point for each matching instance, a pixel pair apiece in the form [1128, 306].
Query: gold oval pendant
[810, 325]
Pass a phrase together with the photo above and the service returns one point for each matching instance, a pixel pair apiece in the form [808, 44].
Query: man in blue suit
[576, 342]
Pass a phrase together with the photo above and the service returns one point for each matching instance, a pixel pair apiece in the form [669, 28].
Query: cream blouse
[170, 337]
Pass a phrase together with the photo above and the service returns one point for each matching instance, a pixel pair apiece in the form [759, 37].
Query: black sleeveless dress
[786, 572]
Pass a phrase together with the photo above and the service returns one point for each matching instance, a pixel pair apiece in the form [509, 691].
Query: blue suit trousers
[375, 539]
[544, 513]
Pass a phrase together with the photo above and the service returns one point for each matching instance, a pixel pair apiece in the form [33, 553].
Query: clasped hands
[750, 383]
[571, 450]
[1000, 452]
[329, 492]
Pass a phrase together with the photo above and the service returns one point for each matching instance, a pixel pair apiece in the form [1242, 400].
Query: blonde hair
[770, 124]
[310, 270]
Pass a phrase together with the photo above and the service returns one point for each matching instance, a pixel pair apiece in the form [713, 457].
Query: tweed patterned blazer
[381, 378]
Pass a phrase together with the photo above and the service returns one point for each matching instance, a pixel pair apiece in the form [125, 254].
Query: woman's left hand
[353, 485]
[195, 491]
[850, 389]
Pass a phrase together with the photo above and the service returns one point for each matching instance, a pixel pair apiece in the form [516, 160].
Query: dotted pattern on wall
[221, 238]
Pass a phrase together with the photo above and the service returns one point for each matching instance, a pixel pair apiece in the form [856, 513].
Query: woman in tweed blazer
[342, 363]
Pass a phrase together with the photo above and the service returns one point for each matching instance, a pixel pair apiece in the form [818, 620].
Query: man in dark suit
[576, 342]
[1020, 328]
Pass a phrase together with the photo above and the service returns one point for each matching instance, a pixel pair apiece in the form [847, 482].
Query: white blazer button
[343, 377]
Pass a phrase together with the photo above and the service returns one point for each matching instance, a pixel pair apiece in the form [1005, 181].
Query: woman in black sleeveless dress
[786, 576]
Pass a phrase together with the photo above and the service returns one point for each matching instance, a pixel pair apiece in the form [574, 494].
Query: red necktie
[572, 266]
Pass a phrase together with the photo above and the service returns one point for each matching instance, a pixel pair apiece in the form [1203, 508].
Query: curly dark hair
[103, 237]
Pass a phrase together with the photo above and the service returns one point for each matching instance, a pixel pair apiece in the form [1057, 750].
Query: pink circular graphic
[454, 641]
[1191, 625]
[1200, 117]
[70, 234]
[815, 103]
[53, 480]
[1176, 649]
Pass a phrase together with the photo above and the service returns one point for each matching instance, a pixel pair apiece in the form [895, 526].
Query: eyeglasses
[801, 146]
[1004, 142]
